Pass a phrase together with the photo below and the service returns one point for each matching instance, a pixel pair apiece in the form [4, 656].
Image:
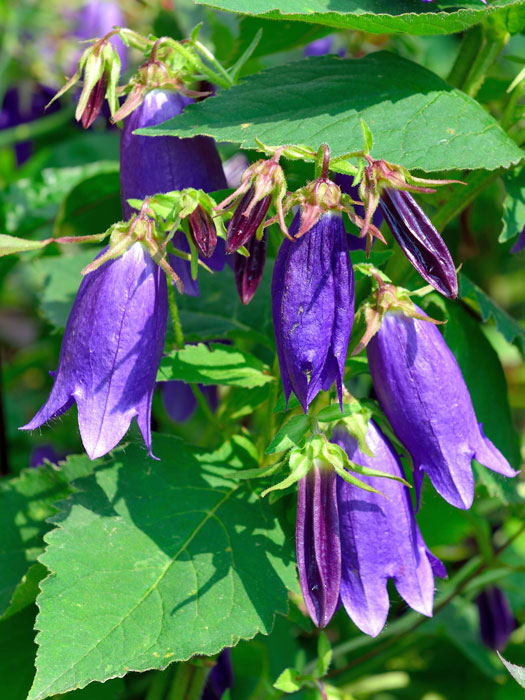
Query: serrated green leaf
[30, 204]
[292, 434]
[25, 504]
[376, 16]
[214, 364]
[289, 681]
[12, 244]
[58, 278]
[511, 330]
[155, 561]
[416, 118]
[514, 205]
[517, 672]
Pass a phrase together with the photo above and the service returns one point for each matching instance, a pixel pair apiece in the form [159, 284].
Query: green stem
[494, 42]
[468, 51]
[159, 685]
[205, 407]
[508, 115]
[174, 310]
[189, 682]
[476, 181]
[38, 127]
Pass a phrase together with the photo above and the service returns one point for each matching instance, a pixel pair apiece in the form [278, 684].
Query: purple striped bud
[203, 231]
[318, 543]
[496, 621]
[380, 538]
[95, 101]
[249, 271]
[111, 351]
[313, 308]
[424, 396]
[419, 240]
[246, 219]
[151, 165]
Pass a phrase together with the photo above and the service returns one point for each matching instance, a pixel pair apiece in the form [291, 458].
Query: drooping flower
[380, 538]
[111, 351]
[419, 240]
[496, 621]
[249, 271]
[318, 543]
[161, 164]
[313, 308]
[424, 396]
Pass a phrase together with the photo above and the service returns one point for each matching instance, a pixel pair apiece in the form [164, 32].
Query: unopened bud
[249, 270]
[246, 220]
[203, 231]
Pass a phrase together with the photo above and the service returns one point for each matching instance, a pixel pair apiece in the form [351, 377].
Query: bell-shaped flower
[111, 351]
[496, 621]
[424, 396]
[220, 678]
[161, 164]
[313, 308]
[317, 542]
[380, 538]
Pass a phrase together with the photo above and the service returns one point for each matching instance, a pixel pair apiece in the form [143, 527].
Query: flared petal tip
[489, 456]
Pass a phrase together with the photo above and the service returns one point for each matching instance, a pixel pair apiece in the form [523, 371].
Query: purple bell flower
[111, 351]
[152, 165]
[313, 308]
[496, 621]
[380, 538]
[419, 240]
[98, 17]
[424, 396]
[317, 542]
[220, 678]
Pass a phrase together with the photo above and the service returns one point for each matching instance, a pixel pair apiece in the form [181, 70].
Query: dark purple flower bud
[496, 621]
[249, 271]
[180, 402]
[380, 538]
[220, 678]
[520, 243]
[313, 308]
[111, 351]
[424, 396]
[95, 102]
[161, 164]
[419, 240]
[246, 219]
[317, 542]
[203, 231]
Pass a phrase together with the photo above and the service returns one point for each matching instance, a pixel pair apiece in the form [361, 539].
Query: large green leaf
[514, 205]
[154, 561]
[416, 118]
[25, 503]
[517, 672]
[216, 364]
[474, 296]
[377, 16]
